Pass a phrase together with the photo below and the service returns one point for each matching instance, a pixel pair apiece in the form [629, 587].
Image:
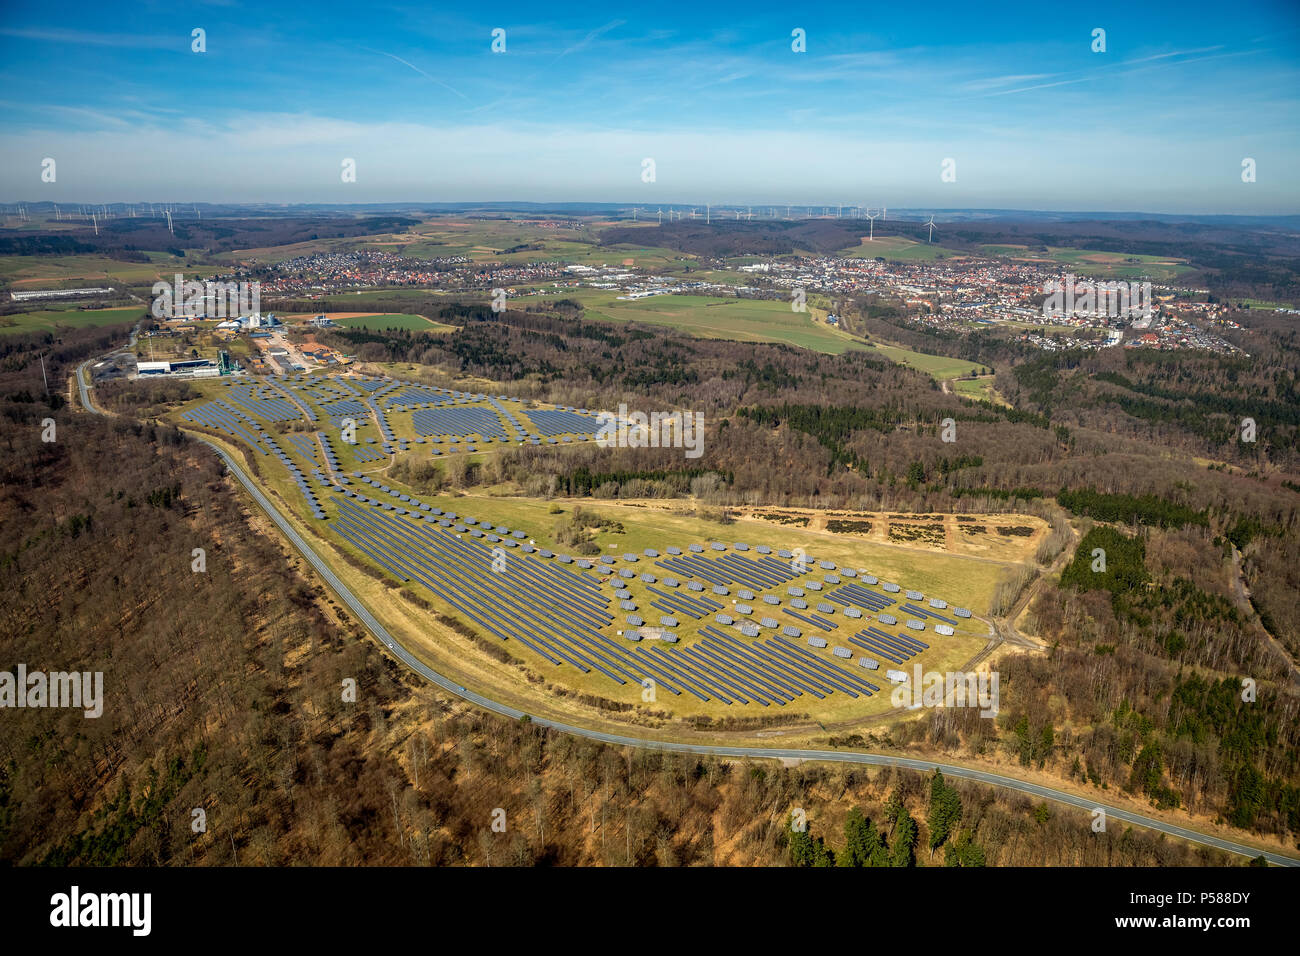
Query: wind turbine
[931, 225]
[871, 229]
[661, 215]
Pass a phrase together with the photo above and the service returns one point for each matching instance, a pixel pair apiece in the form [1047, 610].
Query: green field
[393, 320]
[937, 366]
[1267, 305]
[744, 320]
[35, 272]
[896, 247]
[50, 320]
[979, 389]
[1094, 262]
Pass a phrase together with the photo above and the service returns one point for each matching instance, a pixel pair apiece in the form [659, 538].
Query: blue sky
[714, 94]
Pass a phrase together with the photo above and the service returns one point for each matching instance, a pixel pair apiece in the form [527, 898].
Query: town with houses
[951, 293]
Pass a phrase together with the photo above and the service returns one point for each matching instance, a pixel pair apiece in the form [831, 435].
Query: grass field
[744, 320]
[50, 320]
[896, 247]
[980, 389]
[1094, 262]
[937, 366]
[32, 272]
[1267, 305]
[393, 320]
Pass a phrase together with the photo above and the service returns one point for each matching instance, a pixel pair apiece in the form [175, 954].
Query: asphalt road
[835, 756]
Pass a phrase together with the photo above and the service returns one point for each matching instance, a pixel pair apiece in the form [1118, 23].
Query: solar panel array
[220, 416]
[264, 403]
[458, 422]
[559, 422]
[684, 619]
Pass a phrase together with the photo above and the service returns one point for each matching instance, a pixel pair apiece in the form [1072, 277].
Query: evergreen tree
[964, 851]
[862, 843]
[903, 850]
[945, 811]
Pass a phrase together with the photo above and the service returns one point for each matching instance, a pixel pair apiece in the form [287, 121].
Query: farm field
[745, 320]
[371, 320]
[980, 389]
[896, 247]
[50, 320]
[1099, 264]
[937, 366]
[33, 272]
[393, 320]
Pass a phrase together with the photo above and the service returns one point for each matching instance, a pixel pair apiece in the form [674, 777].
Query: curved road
[415, 664]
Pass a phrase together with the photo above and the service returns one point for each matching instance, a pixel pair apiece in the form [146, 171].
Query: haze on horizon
[1032, 117]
